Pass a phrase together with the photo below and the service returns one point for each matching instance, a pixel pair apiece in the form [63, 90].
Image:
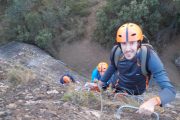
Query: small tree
[43, 38]
[117, 12]
[46, 21]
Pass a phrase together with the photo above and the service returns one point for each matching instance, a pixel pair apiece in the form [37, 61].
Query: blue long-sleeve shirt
[130, 76]
[96, 76]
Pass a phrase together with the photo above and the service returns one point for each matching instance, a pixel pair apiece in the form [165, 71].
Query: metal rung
[140, 100]
[119, 111]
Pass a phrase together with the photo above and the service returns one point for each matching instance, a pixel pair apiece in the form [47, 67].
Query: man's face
[129, 49]
[101, 73]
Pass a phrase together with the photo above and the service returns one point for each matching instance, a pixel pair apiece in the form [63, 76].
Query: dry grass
[81, 97]
[93, 99]
[19, 74]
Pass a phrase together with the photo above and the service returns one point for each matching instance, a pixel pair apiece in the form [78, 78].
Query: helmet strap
[139, 44]
[119, 44]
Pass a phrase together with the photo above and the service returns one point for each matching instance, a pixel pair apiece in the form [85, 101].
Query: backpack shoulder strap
[145, 49]
[144, 59]
[115, 54]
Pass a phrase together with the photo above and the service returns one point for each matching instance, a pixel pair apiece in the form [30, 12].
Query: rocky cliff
[30, 90]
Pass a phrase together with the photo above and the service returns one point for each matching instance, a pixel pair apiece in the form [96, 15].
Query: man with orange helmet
[66, 79]
[130, 77]
[99, 71]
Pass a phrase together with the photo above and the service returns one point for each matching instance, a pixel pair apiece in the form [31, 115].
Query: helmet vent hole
[120, 35]
[133, 34]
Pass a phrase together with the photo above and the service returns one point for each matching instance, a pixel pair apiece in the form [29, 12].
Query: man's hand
[147, 107]
[91, 86]
[102, 85]
[96, 80]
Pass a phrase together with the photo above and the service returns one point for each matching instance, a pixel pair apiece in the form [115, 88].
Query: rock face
[30, 90]
[29, 85]
[34, 59]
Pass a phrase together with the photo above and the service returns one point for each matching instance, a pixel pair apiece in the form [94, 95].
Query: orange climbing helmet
[129, 32]
[67, 78]
[102, 66]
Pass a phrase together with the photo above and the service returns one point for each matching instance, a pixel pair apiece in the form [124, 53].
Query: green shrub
[79, 7]
[45, 22]
[83, 98]
[34, 22]
[22, 34]
[117, 12]
[18, 74]
[43, 38]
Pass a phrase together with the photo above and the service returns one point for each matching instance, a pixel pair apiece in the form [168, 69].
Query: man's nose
[128, 47]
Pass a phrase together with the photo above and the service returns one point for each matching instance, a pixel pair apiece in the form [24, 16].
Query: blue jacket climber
[99, 71]
[129, 74]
